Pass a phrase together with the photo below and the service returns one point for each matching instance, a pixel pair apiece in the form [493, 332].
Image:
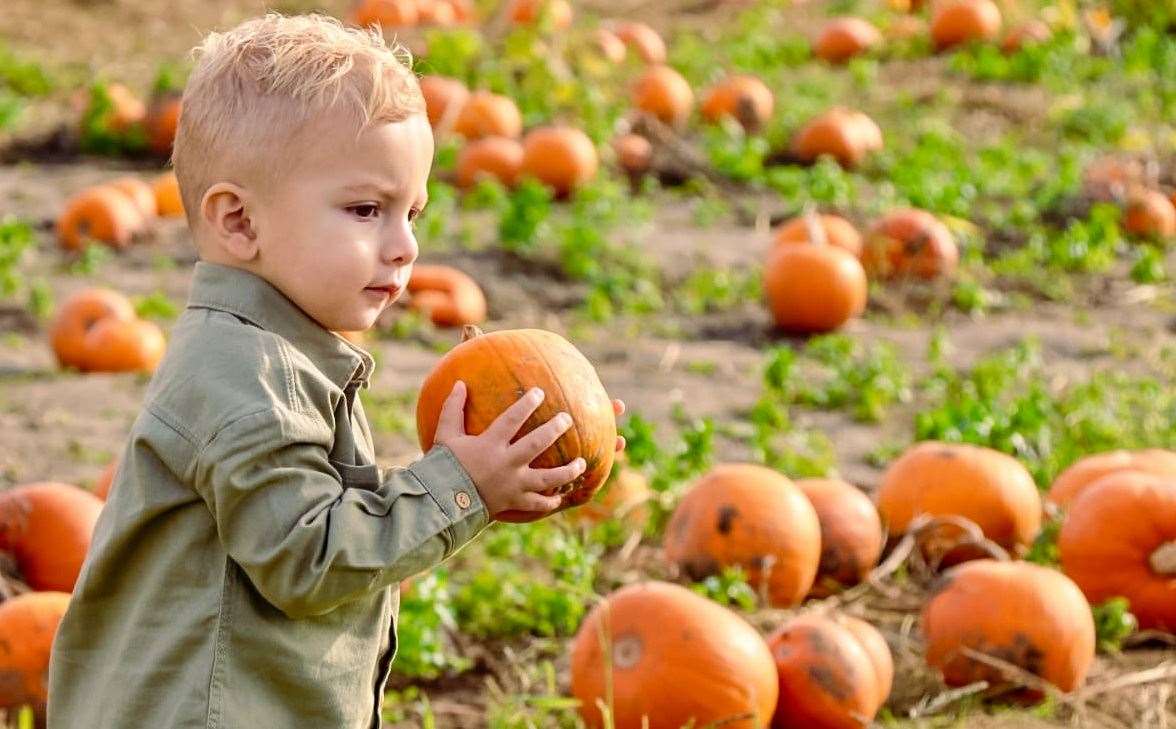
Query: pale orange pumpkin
[386, 13]
[846, 135]
[486, 114]
[851, 533]
[610, 45]
[838, 232]
[561, 157]
[634, 153]
[139, 193]
[1088, 469]
[499, 158]
[46, 527]
[843, 38]
[664, 93]
[1150, 214]
[643, 40]
[743, 97]
[76, 317]
[450, 297]
[104, 214]
[116, 345]
[909, 242]
[444, 97]
[961, 21]
[168, 202]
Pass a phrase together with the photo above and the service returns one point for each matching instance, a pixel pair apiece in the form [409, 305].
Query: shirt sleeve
[307, 541]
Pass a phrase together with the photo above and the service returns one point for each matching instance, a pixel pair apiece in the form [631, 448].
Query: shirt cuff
[450, 485]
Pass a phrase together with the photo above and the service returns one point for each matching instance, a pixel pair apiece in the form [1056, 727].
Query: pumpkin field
[887, 287]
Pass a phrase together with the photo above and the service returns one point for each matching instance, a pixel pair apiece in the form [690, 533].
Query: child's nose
[400, 247]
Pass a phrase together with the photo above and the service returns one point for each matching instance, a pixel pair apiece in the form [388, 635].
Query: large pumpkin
[750, 516]
[664, 93]
[835, 672]
[450, 297]
[1085, 471]
[561, 157]
[498, 368]
[985, 486]
[46, 527]
[28, 624]
[851, 533]
[1022, 613]
[662, 657]
[814, 287]
[909, 242]
[77, 315]
[1119, 539]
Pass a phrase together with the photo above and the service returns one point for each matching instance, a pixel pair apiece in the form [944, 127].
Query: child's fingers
[620, 443]
[506, 425]
[618, 407]
[546, 478]
[537, 502]
[451, 421]
[540, 439]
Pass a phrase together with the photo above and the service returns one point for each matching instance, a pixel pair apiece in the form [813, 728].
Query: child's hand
[500, 469]
[619, 410]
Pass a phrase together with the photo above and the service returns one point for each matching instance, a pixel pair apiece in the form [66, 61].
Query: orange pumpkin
[610, 45]
[963, 21]
[831, 675]
[1085, 471]
[437, 13]
[163, 116]
[443, 97]
[448, 296]
[101, 214]
[910, 242]
[838, 232]
[814, 287]
[168, 202]
[634, 153]
[561, 157]
[664, 93]
[139, 193]
[845, 134]
[742, 97]
[46, 527]
[486, 114]
[500, 158]
[28, 624]
[386, 13]
[1031, 616]
[851, 533]
[105, 480]
[1150, 214]
[843, 38]
[126, 109]
[985, 486]
[624, 496]
[1119, 539]
[663, 657]
[497, 369]
[753, 517]
[77, 315]
[529, 12]
[117, 345]
[1033, 32]
[644, 40]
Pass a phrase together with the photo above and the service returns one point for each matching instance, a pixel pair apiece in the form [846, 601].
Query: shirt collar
[247, 295]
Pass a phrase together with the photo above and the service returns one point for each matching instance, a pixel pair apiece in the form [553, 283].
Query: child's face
[336, 232]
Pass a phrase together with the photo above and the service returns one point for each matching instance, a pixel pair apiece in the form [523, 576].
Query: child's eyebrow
[390, 193]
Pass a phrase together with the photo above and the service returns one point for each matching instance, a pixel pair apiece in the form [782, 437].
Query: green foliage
[91, 258]
[524, 218]
[717, 289]
[155, 306]
[1113, 623]
[729, 588]
[16, 237]
[424, 647]
[99, 136]
[390, 412]
[1044, 550]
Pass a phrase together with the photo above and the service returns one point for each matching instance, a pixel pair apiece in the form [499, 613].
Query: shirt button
[463, 499]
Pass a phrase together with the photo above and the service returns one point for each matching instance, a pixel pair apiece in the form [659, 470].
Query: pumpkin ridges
[1080, 474]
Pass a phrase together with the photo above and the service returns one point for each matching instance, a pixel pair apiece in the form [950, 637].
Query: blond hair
[255, 87]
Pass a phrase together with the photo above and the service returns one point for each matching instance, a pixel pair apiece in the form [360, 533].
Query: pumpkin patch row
[117, 212]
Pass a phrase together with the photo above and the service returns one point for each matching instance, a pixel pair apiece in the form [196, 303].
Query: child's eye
[366, 211]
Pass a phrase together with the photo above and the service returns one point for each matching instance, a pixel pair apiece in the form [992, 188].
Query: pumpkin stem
[1163, 560]
[469, 331]
[812, 222]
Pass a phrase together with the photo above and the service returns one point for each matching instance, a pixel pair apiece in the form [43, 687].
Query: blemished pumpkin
[117, 345]
[838, 232]
[486, 114]
[450, 297]
[1030, 33]
[669, 658]
[741, 514]
[611, 47]
[28, 624]
[851, 533]
[835, 672]
[529, 12]
[105, 480]
[962, 21]
[843, 38]
[386, 13]
[444, 98]
[643, 40]
[104, 214]
[844, 134]
[168, 202]
[1119, 540]
[743, 97]
[498, 368]
[664, 93]
[990, 488]
[624, 496]
[1028, 615]
[1088, 469]
[46, 527]
[163, 117]
[139, 193]
[814, 287]
[634, 153]
[499, 158]
[909, 242]
[1150, 214]
[77, 315]
[561, 157]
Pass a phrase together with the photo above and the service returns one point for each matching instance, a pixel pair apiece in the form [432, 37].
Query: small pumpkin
[168, 202]
[444, 97]
[851, 533]
[743, 97]
[665, 658]
[962, 21]
[386, 13]
[126, 109]
[846, 135]
[1029, 33]
[814, 287]
[117, 345]
[909, 242]
[838, 232]
[102, 214]
[105, 480]
[611, 47]
[634, 153]
[77, 315]
[498, 368]
[139, 193]
[625, 496]
[664, 93]
[741, 514]
[988, 487]
[1088, 469]
[1028, 615]
[163, 117]
[835, 672]
[530, 12]
[1150, 214]
[486, 114]
[644, 41]
[843, 38]
[28, 624]
[450, 297]
[46, 527]
[1119, 539]
[500, 158]
[561, 157]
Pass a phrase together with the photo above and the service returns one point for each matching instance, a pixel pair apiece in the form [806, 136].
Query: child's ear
[225, 211]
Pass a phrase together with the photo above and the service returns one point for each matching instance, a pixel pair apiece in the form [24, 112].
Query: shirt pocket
[353, 476]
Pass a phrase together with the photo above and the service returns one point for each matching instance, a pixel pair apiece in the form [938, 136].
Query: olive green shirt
[244, 572]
